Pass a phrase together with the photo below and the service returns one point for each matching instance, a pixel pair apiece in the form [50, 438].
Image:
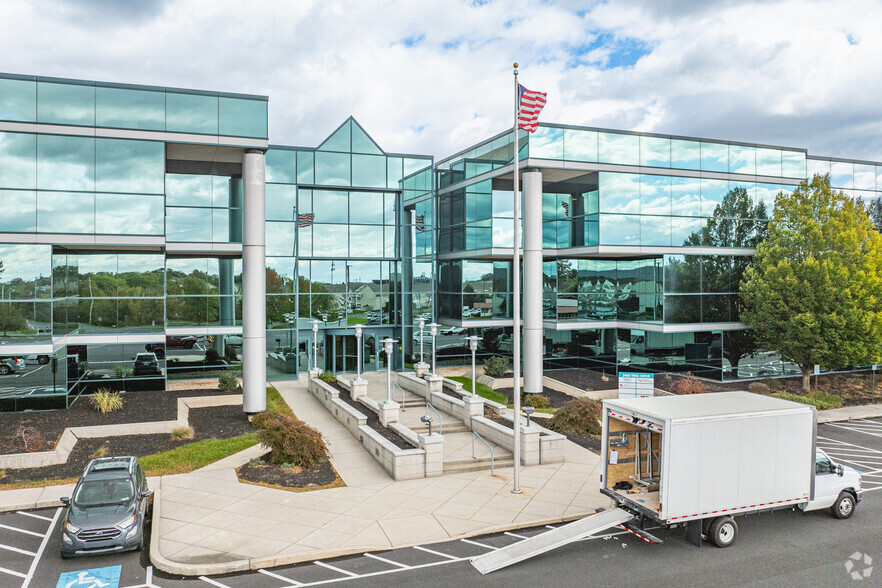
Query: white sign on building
[636, 385]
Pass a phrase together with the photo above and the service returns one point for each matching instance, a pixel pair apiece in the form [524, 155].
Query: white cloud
[435, 76]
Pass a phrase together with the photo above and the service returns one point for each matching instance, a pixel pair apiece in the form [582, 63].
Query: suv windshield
[103, 492]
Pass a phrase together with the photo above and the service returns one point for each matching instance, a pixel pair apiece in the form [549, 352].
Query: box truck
[698, 462]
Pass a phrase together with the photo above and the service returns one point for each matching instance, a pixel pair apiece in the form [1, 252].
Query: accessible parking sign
[93, 578]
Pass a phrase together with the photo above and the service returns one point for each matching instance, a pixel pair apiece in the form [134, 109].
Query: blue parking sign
[94, 578]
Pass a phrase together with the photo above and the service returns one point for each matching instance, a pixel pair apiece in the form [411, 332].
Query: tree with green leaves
[814, 291]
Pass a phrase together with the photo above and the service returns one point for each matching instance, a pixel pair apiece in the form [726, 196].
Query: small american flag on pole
[566, 207]
[530, 104]
[305, 220]
[420, 222]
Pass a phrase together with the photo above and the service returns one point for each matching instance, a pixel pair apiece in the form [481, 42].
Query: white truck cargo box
[700, 456]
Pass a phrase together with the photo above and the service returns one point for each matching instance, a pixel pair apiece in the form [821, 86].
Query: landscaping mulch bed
[556, 399]
[217, 422]
[290, 478]
[585, 379]
[138, 407]
[373, 421]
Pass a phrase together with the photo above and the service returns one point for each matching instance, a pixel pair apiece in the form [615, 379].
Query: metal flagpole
[516, 300]
[296, 252]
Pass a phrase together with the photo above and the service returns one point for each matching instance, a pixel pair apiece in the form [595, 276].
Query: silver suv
[107, 510]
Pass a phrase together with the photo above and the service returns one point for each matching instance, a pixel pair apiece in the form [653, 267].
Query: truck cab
[837, 487]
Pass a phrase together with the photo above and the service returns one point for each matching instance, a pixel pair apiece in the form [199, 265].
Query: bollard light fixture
[315, 325]
[358, 352]
[422, 328]
[388, 346]
[433, 330]
[473, 345]
[428, 420]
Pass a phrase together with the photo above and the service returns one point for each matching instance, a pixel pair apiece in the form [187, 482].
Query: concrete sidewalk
[207, 522]
[868, 411]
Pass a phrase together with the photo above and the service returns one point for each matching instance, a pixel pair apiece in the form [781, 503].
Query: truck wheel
[723, 531]
[42, 359]
[188, 345]
[843, 508]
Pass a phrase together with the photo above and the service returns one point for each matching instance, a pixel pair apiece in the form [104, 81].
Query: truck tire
[188, 344]
[723, 531]
[843, 508]
[42, 359]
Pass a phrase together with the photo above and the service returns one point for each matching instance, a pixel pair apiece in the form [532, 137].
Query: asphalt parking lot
[773, 549]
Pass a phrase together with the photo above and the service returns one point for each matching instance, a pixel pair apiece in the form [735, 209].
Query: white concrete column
[254, 283]
[532, 282]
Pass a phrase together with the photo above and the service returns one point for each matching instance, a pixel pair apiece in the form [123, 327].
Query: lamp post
[357, 352]
[473, 345]
[315, 324]
[433, 330]
[388, 343]
[422, 326]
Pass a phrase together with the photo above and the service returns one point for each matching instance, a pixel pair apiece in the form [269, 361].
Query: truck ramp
[495, 560]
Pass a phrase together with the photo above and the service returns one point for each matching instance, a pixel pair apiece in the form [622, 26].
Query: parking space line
[34, 515]
[26, 532]
[853, 430]
[17, 550]
[13, 573]
[213, 582]
[515, 535]
[335, 569]
[384, 560]
[851, 445]
[280, 577]
[42, 548]
[433, 552]
[484, 545]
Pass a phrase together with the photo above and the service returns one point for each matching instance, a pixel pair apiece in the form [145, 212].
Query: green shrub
[121, 371]
[580, 416]
[759, 388]
[100, 452]
[773, 384]
[292, 441]
[261, 419]
[690, 385]
[230, 354]
[106, 400]
[180, 433]
[212, 357]
[227, 382]
[820, 400]
[328, 377]
[536, 401]
[496, 366]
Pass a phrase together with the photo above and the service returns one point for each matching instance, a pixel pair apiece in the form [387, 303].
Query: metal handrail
[397, 385]
[440, 418]
[490, 447]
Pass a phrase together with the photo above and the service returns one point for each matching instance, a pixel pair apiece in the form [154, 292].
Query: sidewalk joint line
[433, 552]
[17, 550]
[34, 515]
[42, 548]
[335, 569]
[280, 577]
[388, 561]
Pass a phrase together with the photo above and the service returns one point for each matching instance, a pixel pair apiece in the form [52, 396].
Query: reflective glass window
[712, 194]
[579, 145]
[547, 143]
[685, 196]
[793, 164]
[768, 161]
[125, 214]
[619, 193]
[240, 117]
[188, 190]
[879, 177]
[682, 309]
[330, 206]
[655, 151]
[130, 109]
[97, 275]
[685, 154]
[190, 113]
[366, 207]
[220, 226]
[332, 169]
[141, 274]
[331, 241]
[742, 159]
[27, 271]
[390, 204]
[220, 191]
[366, 241]
[65, 212]
[65, 104]
[618, 148]
[18, 100]
[369, 171]
[766, 193]
[683, 228]
[129, 166]
[655, 194]
[20, 211]
[305, 167]
[65, 163]
[714, 157]
[864, 176]
[842, 175]
[280, 238]
[389, 243]
[818, 167]
[187, 224]
[18, 152]
[394, 172]
[281, 166]
[281, 199]
[619, 229]
[655, 230]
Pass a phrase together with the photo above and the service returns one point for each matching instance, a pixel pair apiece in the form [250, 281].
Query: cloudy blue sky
[433, 76]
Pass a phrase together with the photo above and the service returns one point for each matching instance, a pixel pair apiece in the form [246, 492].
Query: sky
[435, 77]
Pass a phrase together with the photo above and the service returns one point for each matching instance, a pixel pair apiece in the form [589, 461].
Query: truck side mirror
[839, 470]
[65, 500]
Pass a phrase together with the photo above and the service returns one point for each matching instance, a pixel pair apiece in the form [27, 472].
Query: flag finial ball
[516, 64]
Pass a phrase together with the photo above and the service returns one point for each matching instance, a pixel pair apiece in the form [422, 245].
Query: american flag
[530, 104]
[420, 222]
[566, 207]
[305, 220]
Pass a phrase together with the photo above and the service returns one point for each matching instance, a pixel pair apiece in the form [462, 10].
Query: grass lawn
[483, 390]
[193, 456]
[275, 402]
[356, 320]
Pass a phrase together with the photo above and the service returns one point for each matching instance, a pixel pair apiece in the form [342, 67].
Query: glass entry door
[344, 353]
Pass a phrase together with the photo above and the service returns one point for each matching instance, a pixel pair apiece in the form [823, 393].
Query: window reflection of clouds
[714, 156]
[187, 225]
[366, 207]
[239, 117]
[742, 159]
[18, 100]
[817, 167]
[579, 145]
[190, 113]
[130, 109]
[29, 263]
[793, 164]
[332, 169]
[122, 214]
[281, 200]
[330, 206]
[617, 148]
[685, 154]
[655, 194]
[712, 193]
[71, 104]
[842, 175]
[685, 196]
[65, 212]
[366, 241]
[188, 190]
[547, 143]
[280, 238]
[18, 151]
[281, 166]
[65, 163]
[768, 161]
[331, 240]
[20, 211]
[619, 193]
[655, 151]
[864, 176]
[130, 166]
[619, 229]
